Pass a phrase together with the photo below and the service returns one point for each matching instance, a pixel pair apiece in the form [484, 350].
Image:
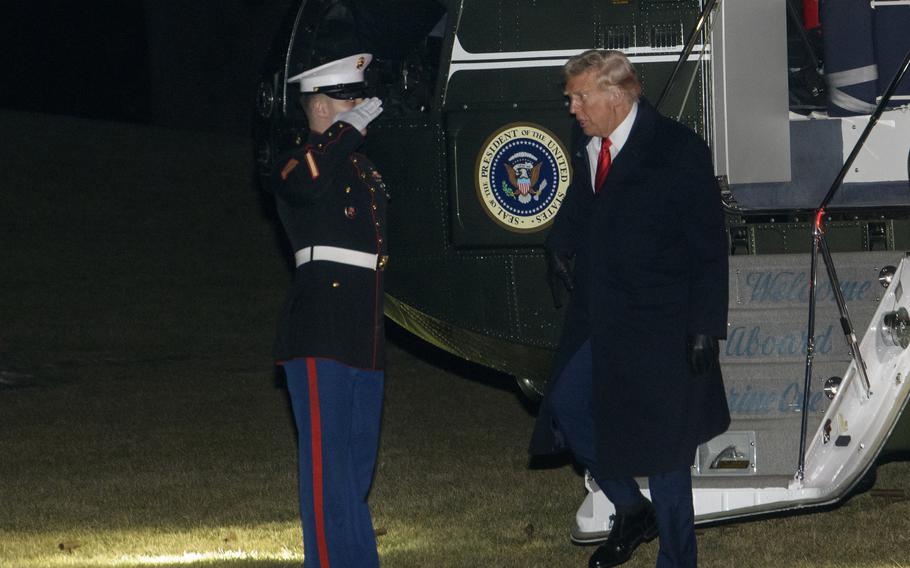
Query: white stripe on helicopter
[463, 60]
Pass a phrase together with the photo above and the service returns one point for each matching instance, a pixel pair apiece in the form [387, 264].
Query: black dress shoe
[629, 530]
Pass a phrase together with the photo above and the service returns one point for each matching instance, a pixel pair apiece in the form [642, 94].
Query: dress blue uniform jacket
[329, 195]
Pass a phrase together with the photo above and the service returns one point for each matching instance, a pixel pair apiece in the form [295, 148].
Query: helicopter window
[404, 36]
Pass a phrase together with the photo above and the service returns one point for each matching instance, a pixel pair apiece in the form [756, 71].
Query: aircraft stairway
[754, 467]
[764, 356]
[780, 481]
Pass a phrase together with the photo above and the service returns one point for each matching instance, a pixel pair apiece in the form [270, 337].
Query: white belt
[337, 254]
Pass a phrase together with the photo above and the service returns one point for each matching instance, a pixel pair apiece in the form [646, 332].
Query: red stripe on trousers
[316, 441]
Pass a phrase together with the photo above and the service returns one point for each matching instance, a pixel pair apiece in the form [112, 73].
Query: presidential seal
[523, 173]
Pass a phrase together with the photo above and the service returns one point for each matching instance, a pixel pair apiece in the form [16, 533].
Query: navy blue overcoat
[650, 256]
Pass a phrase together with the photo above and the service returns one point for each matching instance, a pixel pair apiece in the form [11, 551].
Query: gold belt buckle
[382, 261]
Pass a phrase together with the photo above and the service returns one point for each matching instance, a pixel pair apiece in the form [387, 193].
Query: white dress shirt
[617, 140]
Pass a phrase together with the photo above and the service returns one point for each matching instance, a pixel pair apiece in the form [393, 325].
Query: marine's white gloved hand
[361, 115]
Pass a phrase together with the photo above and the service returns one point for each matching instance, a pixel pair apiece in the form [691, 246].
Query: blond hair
[612, 68]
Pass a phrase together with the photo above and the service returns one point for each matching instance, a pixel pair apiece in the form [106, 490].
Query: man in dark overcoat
[332, 204]
[636, 385]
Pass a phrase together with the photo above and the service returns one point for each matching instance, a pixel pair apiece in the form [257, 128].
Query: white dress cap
[333, 74]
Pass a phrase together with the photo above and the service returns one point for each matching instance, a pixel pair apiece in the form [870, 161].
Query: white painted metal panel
[884, 155]
[750, 99]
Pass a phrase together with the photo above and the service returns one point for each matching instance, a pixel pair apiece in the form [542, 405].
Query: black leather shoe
[629, 530]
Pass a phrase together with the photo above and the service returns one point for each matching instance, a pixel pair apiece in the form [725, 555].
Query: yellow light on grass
[197, 557]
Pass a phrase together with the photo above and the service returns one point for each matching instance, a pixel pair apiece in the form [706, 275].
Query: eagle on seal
[524, 177]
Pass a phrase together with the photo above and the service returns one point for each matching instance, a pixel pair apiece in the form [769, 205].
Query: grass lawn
[140, 424]
[190, 461]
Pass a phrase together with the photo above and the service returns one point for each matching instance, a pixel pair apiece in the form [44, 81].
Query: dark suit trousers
[671, 492]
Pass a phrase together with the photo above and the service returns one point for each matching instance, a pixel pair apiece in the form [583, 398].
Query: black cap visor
[344, 91]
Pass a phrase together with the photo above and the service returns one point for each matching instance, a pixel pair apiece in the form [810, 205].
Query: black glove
[703, 353]
[559, 275]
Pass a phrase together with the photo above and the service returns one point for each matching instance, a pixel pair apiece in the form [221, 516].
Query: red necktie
[603, 164]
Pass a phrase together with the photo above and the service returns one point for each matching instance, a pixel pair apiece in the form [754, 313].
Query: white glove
[361, 115]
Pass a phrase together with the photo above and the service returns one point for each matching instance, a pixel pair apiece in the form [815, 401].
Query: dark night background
[184, 64]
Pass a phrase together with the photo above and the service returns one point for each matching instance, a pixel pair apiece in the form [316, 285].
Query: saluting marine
[332, 203]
